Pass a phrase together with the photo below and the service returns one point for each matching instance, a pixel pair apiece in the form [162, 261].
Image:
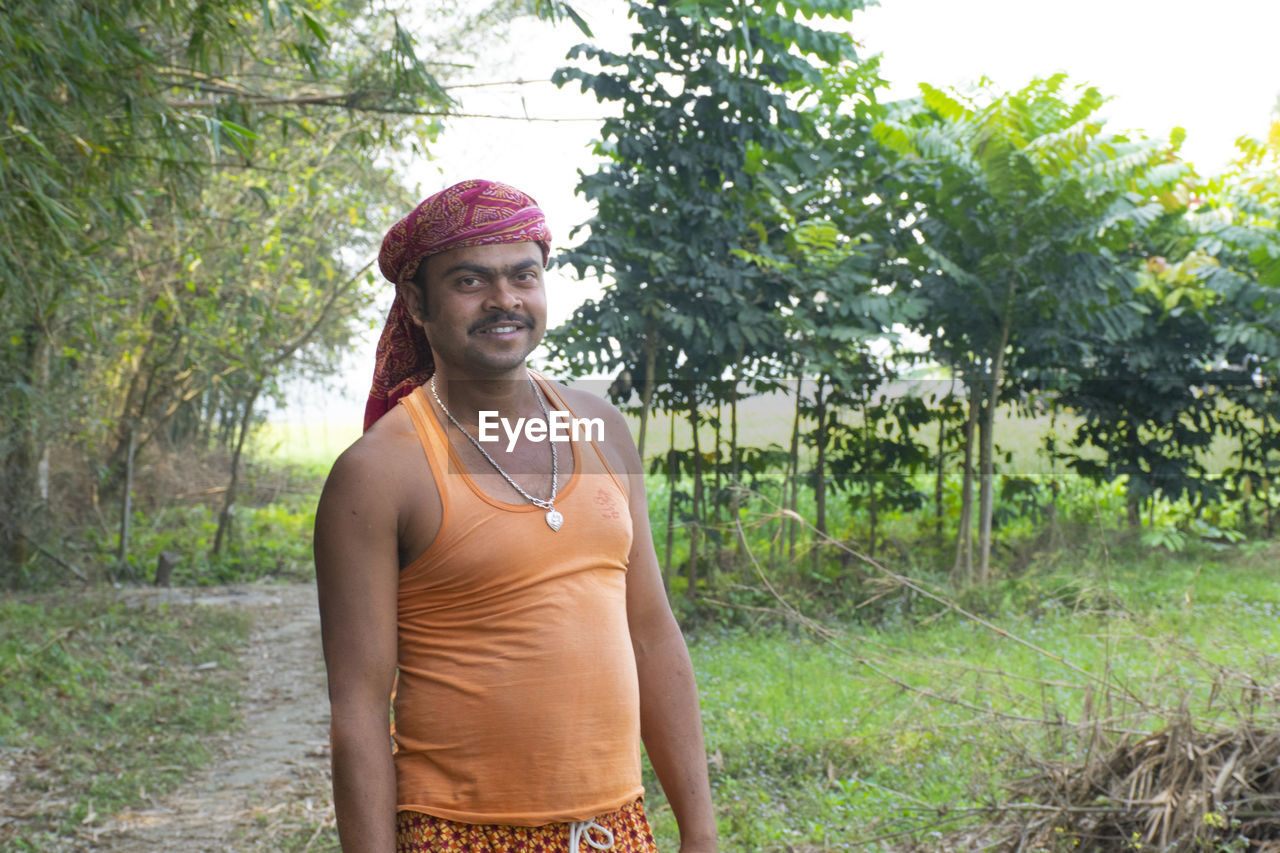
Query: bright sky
[1211, 68]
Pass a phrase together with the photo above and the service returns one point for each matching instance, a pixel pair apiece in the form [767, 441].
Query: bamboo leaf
[238, 130]
[316, 28]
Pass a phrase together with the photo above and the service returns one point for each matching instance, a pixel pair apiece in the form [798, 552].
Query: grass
[819, 745]
[813, 744]
[102, 704]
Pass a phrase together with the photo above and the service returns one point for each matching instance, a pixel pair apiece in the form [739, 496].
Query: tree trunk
[224, 518]
[873, 512]
[964, 532]
[1266, 503]
[870, 471]
[24, 444]
[43, 468]
[138, 420]
[873, 515]
[1246, 504]
[939, 478]
[671, 499]
[986, 459]
[695, 529]
[15, 500]
[791, 486]
[986, 481]
[1132, 503]
[126, 507]
[646, 390]
[820, 463]
[820, 470]
[1132, 511]
[1264, 482]
[717, 491]
[735, 497]
[1051, 512]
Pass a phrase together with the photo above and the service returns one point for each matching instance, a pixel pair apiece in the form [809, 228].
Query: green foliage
[177, 200]
[1188, 354]
[703, 95]
[272, 541]
[271, 538]
[1039, 514]
[1022, 240]
[731, 227]
[1028, 214]
[190, 194]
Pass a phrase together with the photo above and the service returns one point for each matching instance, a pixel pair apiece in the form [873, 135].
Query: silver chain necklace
[554, 518]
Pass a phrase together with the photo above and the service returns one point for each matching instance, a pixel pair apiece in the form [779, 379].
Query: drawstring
[580, 831]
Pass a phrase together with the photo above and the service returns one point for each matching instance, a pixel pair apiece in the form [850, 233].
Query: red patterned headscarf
[472, 213]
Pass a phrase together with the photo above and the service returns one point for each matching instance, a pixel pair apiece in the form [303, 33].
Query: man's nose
[504, 295]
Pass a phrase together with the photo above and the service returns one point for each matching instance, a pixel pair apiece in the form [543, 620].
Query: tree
[705, 97]
[836, 242]
[1145, 388]
[187, 190]
[1228, 266]
[1189, 354]
[127, 123]
[1025, 212]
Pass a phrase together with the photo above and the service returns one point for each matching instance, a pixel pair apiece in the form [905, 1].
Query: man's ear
[414, 299]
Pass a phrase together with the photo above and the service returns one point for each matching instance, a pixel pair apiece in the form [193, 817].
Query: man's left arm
[670, 717]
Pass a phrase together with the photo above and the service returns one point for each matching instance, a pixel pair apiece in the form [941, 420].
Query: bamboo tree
[229, 497]
[182, 182]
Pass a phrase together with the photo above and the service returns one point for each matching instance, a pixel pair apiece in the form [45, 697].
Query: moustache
[510, 317]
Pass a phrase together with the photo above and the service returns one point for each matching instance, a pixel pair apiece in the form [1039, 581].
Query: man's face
[486, 306]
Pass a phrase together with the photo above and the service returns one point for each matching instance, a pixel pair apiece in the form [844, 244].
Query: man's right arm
[357, 567]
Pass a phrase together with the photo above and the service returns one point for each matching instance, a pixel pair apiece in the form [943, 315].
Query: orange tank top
[516, 698]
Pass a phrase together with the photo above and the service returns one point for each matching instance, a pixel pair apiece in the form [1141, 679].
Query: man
[506, 592]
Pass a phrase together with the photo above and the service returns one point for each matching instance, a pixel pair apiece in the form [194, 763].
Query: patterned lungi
[424, 833]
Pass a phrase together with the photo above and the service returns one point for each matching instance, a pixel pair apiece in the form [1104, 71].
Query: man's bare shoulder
[587, 405]
[376, 460]
[616, 441]
[384, 484]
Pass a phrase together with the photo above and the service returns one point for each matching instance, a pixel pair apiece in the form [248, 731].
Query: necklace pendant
[554, 519]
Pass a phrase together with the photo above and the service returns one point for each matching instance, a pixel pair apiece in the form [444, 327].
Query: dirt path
[269, 789]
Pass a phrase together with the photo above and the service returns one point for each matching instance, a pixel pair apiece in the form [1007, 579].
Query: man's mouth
[504, 326]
